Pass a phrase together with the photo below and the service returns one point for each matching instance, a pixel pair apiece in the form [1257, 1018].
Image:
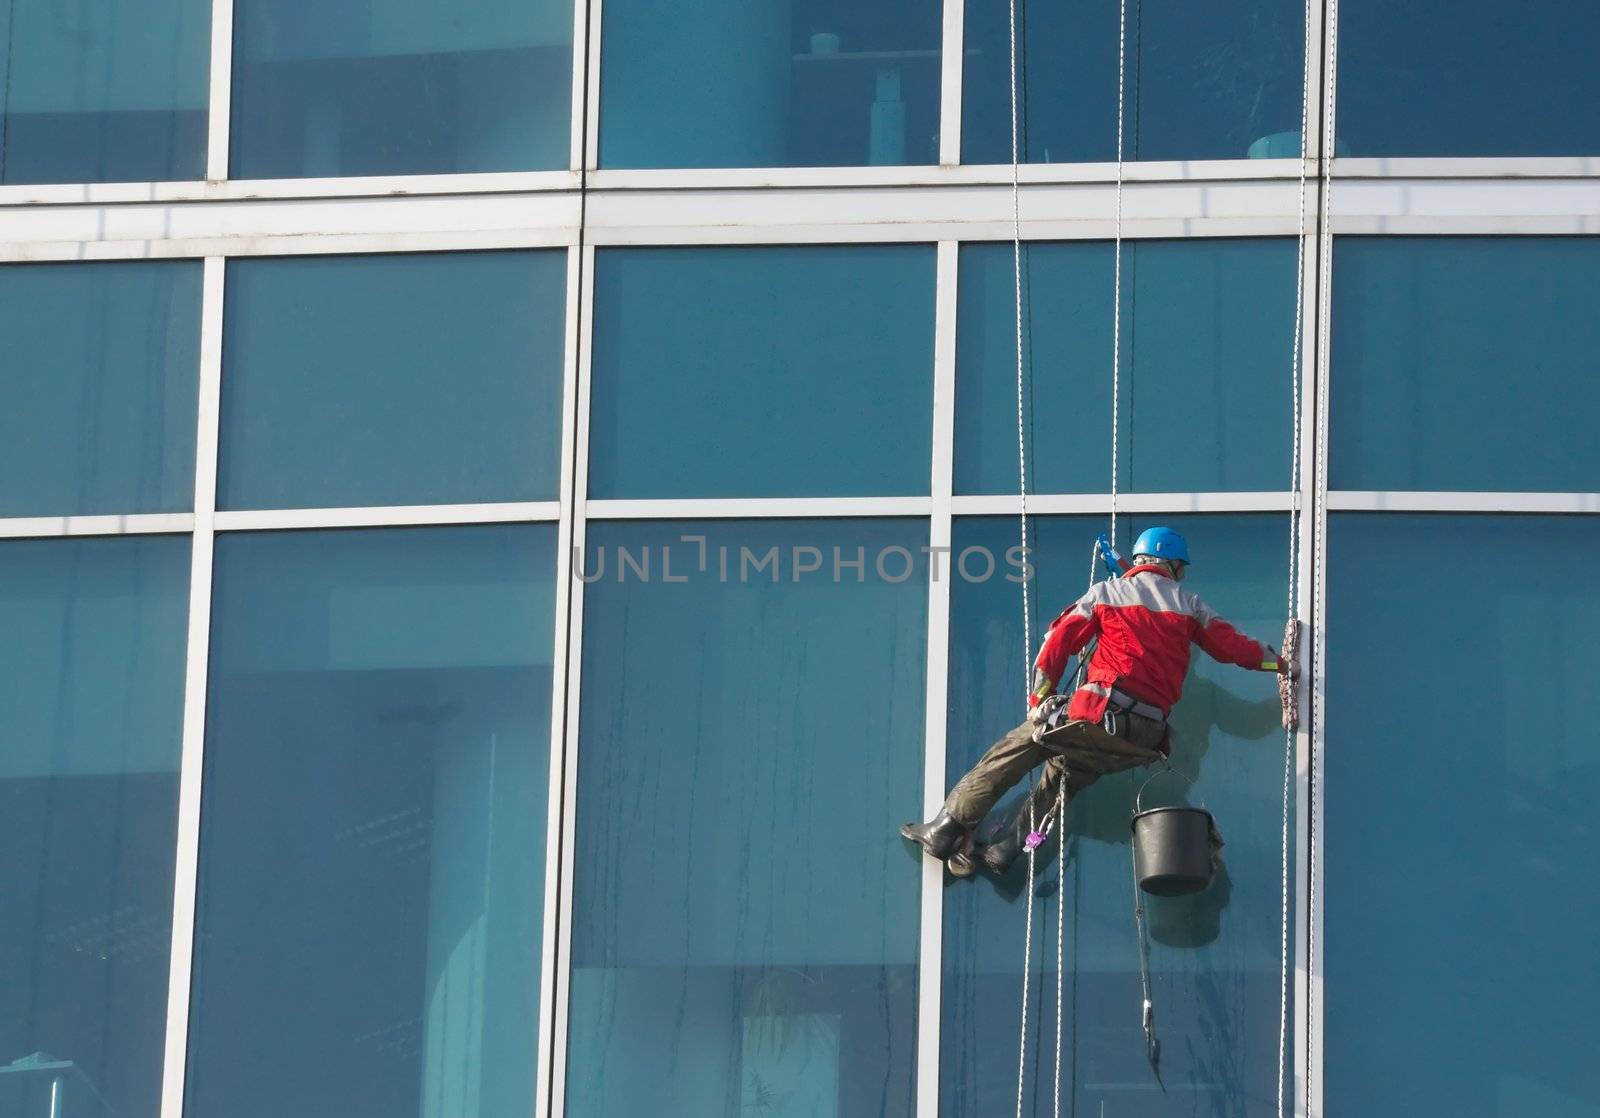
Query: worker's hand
[1039, 714]
[1287, 668]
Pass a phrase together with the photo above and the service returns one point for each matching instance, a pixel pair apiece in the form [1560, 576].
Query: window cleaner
[1143, 623]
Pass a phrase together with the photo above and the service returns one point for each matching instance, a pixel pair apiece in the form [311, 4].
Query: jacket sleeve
[1225, 644]
[1068, 635]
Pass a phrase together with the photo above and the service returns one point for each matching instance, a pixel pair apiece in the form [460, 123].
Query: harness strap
[1124, 702]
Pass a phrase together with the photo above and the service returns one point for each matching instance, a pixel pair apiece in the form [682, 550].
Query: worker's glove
[1287, 668]
[1042, 711]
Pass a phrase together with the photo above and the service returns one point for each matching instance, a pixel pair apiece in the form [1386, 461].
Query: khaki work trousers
[1079, 753]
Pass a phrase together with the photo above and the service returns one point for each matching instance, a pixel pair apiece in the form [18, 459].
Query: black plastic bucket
[1172, 850]
[1171, 847]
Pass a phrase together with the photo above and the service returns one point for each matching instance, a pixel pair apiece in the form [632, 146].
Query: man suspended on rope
[1115, 720]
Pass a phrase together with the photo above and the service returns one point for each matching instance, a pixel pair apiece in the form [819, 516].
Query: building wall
[506, 506]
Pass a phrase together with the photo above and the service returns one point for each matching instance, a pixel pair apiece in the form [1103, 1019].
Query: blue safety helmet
[1163, 543]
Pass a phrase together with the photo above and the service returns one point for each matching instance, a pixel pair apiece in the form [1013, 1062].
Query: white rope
[1294, 559]
[1116, 274]
[1022, 505]
[1061, 920]
[1319, 509]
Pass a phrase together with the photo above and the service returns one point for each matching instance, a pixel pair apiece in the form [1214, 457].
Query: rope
[1061, 920]
[1294, 561]
[1116, 274]
[1319, 509]
[1022, 506]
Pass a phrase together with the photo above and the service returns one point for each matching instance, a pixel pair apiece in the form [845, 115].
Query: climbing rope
[1116, 268]
[1294, 557]
[1058, 812]
[1022, 505]
[1319, 509]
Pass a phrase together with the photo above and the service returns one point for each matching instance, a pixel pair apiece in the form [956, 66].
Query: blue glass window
[104, 90]
[99, 378]
[405, 379]
[1463, 790]
[373, 824]
[745, 920]
[91, 723]
[400, 87]
[1207, 344]
[819, 360]
[728, 83]
[1493, 80]
[1214, 957]
[1466, 363]
[1214, 81]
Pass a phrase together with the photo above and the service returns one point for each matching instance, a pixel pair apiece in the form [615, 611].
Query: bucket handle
[1138, 799]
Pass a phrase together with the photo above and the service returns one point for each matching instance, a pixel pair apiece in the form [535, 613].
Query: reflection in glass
[745, 920]
[1214, 959]
[1207, 345]
[403, 379]
[99, 379]
[371, 867]
[1495, 79]
[819, 360]
[1466, 363]
[728, 83]
[1203, 81]
[1463, 793]
[103, 90]
[91, 721]
[400, 87]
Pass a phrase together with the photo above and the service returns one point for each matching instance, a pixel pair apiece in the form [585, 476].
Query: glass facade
[1456, 974]
[400, 87]
[506, 506]
[744, 924]
[1484, 86]
[371, 896]
[101, 369]
[1216, 82]
[1214, 957]
[779, 337]
[1466, 363]
[392, 380]
[91, 713]
[104, 90]
[1208, 334]
[725, 83]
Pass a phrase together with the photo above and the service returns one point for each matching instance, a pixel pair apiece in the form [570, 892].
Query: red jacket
[1146, 622]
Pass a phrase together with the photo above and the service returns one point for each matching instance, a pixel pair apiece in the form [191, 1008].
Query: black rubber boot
[998, 856]
[941, 836]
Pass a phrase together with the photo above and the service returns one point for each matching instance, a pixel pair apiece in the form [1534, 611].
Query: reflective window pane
[104, 90]
[1466, 363]
[819, 359]
[1494, 79]
[1207, 345]
[729, 83]
[99, 379]
[745, 919]
[406, 379]
[400, 87]
[373, 824]
[1214, 957]
[1202, 81]
[91, 724]
[1462, 800]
